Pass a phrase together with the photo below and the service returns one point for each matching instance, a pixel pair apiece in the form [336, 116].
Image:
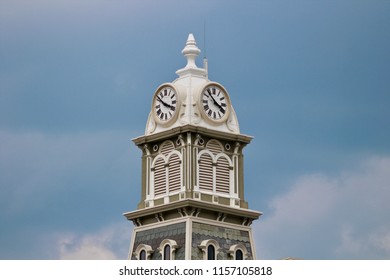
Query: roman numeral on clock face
[165, 103]
[214, 102]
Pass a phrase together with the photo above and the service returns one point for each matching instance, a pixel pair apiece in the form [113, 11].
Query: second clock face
[165, 104]
[215, 103]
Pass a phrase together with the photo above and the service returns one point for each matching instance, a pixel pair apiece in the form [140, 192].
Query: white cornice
[251, 214]
[192, 128]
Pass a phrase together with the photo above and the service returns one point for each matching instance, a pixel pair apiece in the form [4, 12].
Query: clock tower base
[193, 230]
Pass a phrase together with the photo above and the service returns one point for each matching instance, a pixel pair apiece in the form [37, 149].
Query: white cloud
[109, 243]
[331, 217]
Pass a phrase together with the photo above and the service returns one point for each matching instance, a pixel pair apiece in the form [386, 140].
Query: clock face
[215, 103]
[165, 104]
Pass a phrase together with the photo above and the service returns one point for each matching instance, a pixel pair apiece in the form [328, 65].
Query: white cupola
[214, 112]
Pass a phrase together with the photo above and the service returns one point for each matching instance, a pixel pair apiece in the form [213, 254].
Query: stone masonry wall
[226, 237]
[154, 237]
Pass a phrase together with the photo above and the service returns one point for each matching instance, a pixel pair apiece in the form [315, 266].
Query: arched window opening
[238, 252]
[143, 252]
[167, 249]
[210, 252]
[210, 249]
[167, 252]
[239, 255]
[142, 255]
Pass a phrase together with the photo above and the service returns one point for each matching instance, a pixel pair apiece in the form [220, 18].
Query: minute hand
[215, 102]
[165, 104]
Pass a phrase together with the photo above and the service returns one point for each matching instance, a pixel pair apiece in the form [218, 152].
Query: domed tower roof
[195, 100]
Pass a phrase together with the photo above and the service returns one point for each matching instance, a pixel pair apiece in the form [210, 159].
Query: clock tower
[192, 200]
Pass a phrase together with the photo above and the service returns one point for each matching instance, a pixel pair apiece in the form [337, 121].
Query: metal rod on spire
[205, 63]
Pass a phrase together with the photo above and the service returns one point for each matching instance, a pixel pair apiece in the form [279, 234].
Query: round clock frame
[165, 104]
[214, 103]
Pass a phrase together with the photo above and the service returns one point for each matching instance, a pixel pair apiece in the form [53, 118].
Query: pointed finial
[191, 51]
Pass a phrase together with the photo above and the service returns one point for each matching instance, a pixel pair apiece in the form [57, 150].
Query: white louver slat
[166, 147]
[223, 176]
[214, 146]
[205, 173]
[174, 174]
[159, 177]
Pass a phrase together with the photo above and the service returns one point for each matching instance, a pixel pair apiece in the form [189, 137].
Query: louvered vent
[174, 174]
[223, 176]
[214, 146]
[166, 147]
[205, 173]
[159, 177]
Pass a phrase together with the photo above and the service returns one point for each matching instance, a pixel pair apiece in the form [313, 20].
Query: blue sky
[310, 80]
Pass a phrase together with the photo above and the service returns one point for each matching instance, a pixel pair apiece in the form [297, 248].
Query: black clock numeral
[166, 101]
[222, 110]
[214, 115]
[209, 112]
[206, 107]
[222, 98]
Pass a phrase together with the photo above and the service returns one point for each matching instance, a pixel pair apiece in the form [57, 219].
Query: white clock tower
[192, 203]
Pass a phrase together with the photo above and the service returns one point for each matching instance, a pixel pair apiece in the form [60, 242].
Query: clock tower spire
[192, 201]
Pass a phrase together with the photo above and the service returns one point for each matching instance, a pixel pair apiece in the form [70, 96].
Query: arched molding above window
[224, 156]
[238, 247]
[206, 152]
[204, 246]
[175, 152]
[143, 247]
[157, 158]
[166, 147]
[215, 146]
[166, 158]
[173, 246]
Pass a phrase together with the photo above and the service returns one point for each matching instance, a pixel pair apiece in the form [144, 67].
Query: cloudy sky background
[310, 80]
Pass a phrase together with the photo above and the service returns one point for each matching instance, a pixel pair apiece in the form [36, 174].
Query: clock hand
[166, 104]
[163, 103]
[216, 103]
